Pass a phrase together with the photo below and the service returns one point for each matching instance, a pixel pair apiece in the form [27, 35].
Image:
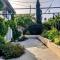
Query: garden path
[36, 50]
[40, 51]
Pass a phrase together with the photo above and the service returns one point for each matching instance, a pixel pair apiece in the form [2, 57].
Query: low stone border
[55, 48]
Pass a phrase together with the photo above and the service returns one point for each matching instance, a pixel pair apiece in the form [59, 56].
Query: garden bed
[55, 48]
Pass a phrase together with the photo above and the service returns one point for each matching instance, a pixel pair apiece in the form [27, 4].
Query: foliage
[57, 40]
[23, 20]
[10, 50]
[53, 23]
[2, 41]
[12, 24]
[45, 33]
[38, 12]
[52, 29]
[35, 29]
[3, 27]
[50, 34]
[16, 34]
[19, 20]
[47, 26]
[57, 22]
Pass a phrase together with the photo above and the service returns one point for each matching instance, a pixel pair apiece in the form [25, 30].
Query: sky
[44, 3]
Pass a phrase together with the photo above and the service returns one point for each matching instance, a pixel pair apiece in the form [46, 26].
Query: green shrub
[2, 41]
[47, 26]
[57, 24]
[24, 20]
[51, 34]
[3, 27]
[12, 24]
[16, 34]
[53, 22]
[45, 33]
[10, 51]
[35, 29]
[57, 40]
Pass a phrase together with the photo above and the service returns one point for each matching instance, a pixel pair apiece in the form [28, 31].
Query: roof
[9, 7]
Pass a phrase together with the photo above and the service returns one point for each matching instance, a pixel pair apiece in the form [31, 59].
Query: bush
[24, 20]
[3, 27]
[16, 34]
[10, 51]
[45, 33]
[57, 25]
[46, 26]
[35, 29]
[2, 41]
[13, 26]
[51, 34]
[57, 40]
[53, 22]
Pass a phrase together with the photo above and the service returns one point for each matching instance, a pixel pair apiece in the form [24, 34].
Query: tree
[38, 12]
